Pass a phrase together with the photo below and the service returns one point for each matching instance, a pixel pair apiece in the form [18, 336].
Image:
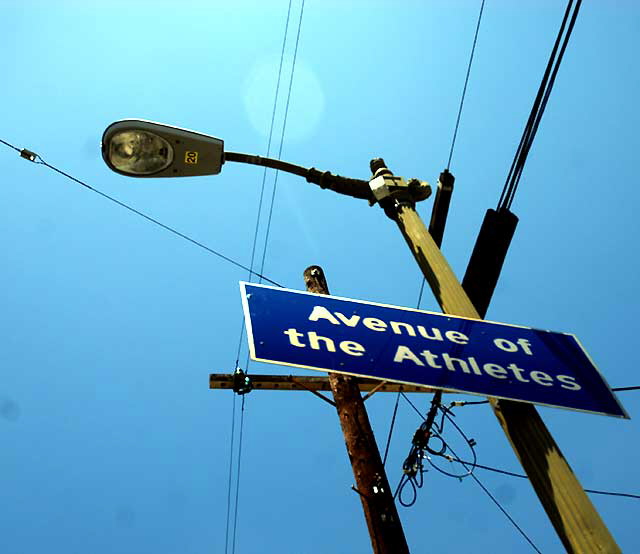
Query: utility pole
[570, 510]
[385, 529]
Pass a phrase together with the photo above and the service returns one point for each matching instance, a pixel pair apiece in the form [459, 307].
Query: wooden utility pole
[385, 529]
[570, 510]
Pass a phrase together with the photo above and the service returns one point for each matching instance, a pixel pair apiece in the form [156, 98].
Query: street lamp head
[139, 148]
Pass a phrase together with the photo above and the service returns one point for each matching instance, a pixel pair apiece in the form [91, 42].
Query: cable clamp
[28, 155]
[241, 382]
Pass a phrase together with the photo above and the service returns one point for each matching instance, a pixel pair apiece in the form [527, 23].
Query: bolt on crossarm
[381, 514]
[571, 512]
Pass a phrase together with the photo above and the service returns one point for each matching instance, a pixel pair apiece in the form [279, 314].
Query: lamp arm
[357, 188]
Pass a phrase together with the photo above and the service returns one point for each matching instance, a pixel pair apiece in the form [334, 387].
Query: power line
[264, 173]
[522, 476]
[235, 515]
[284, 126]
[233, 432]
[41, 161]
[258, 217]
[459, 403]
[10, 145]
[495, 501]
[420, 446]
[455, 132]
[539, 105]
[36, 158]
[464, 89]
[253, 252]
[393, 422]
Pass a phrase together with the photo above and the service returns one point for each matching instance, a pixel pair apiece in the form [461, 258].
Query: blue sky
[112, 441]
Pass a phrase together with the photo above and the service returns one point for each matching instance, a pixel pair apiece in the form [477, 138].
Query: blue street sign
[390, 343]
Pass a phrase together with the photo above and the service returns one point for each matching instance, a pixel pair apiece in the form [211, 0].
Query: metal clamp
[391, 191]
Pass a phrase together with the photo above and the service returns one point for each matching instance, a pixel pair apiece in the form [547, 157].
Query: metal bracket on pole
[440, 209]
[391, 191]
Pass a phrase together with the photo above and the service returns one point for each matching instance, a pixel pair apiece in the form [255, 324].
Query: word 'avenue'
[390, 343]
[375, 324]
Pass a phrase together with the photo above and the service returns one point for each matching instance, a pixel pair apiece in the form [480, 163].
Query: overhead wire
[466, 82]
[255, 239]
[522, 476]
[470, 403]
[264, 173]
[37, 159]
[284, 126]
[242, 325]
[233, 432]
[497, 503]
[539, 105]
[428, 429]
[619, 389]
[458, 117]
[393, 422]
[40, 161]
[10, 145]
[504, 511]
[235, 516]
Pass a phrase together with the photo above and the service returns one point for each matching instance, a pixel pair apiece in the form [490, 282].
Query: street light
[139, 148]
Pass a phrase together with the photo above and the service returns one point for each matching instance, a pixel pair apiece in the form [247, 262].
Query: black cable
[522, 476]
[233, 431]
[475, 478]
[518, 159]
[505, 472]
[539, 105]
[495, 501]
[470, 403]
[417, 453]
[455, 132]
[279, 164]
[393, 422]
[536, 104]
[412, 405]
[284, 126]
[543, 104]
[235, 515]
[145, 216]
[230, 156]
[238, 157]
[420, 293]
[10, 145]
[442, 453]
[466, 81]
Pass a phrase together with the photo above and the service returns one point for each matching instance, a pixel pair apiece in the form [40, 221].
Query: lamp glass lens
[139, 152]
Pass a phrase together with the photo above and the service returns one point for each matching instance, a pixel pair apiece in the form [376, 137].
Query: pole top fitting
[379, 167]
[393, 192]
[315, 280]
